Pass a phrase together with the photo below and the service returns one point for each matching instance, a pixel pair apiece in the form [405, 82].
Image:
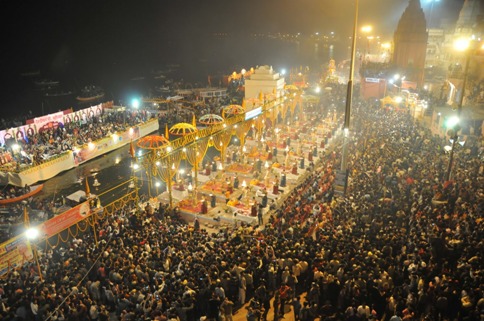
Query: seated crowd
[387, 251]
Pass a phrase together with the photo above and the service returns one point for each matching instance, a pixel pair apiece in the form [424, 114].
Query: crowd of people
[43, 145]
[389, 250]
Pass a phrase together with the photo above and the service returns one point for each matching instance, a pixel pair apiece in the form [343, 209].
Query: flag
[131, 150]
[166, 132]
[194, 121]
[88, 190]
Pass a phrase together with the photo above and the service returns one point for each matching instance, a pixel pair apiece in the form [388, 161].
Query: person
[264, 199]
[284, 295]
[196, 224]
[304, 314]
[275, 305]
[242, 288]
[227, 308]
[213, 308]
[283, 179]
[208, 170]
[260, 219]
[253, 314]
[236, 182]
[204, 206]
[275, 188]
[253, 208]
[294, 169]
[262, 295]
[213, 200]
[296, 305]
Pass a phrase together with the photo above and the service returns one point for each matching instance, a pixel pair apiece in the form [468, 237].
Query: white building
[264, 80]
[207, 93]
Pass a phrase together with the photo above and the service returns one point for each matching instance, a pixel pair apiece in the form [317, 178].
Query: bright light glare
[452, 121]
[135, 166]
[398, 99]
[366, 28]
[461, 44]
[135, 103]
[32, 233]
[15, 147]
[317, 90]
[283, 71]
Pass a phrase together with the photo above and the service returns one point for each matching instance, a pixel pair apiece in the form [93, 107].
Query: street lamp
[349, 95]
[367, 29]
[453, 123]
[453, 126]
[32, 234]
[135, 103]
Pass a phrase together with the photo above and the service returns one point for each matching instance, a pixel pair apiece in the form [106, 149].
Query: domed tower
[470, 20]
[410, 43]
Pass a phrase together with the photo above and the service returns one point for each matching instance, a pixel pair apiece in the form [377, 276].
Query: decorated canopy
[291, 88]
[232, 110]
[153, 142]
[210, 119]
[182, 129]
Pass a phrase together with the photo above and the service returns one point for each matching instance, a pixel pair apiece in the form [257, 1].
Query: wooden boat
[99, 96]
[34, 189]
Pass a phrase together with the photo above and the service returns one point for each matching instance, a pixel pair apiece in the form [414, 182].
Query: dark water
[189, 61]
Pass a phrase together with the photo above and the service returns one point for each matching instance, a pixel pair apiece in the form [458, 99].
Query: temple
[410, 43]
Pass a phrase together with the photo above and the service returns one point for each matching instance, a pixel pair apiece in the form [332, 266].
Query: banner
[49, 121]
[14, 253]
[61, 222]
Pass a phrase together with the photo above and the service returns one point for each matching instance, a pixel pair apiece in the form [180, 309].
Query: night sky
[60, 36]
[40, 29]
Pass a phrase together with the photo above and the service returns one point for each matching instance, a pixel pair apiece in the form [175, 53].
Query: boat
[46, 82]
[58, 93]
[90, 93]
[91, 98]
[34, 189]
[32, 73]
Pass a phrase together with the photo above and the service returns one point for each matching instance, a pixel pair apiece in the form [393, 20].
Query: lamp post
[349, 94]
[32, 234]
[367, 29]
[460, 45]
[454, 129]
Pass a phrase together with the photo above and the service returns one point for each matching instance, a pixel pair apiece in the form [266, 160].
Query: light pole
[459, 45]
[32, 234]
[349, 95]
[366, 30]
[453, 125]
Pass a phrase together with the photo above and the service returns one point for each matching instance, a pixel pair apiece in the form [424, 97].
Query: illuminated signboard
[372, 80]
